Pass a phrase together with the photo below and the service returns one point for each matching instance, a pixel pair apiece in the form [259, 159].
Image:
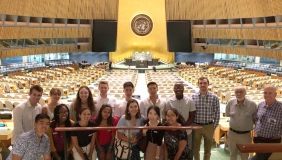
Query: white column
[257, 59]
[280, 63]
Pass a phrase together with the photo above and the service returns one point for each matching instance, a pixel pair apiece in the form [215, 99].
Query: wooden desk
[220, 130]
[70, 69]
[6, 133]
[260, 147]
[279, 91]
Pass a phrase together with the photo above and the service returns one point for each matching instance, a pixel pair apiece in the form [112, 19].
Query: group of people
[245, 115]
[34, 132]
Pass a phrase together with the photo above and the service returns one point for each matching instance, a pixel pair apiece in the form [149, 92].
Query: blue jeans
[105, 149]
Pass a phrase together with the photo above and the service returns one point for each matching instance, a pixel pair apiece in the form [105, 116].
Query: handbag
[84, 154]
[122, 148]
[142, 143]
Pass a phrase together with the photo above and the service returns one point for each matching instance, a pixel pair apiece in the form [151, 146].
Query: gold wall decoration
[128, 42]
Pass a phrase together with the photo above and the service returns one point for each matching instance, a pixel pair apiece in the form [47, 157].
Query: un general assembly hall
[140, 80]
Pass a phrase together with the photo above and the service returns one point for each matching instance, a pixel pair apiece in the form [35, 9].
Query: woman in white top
[55, 95]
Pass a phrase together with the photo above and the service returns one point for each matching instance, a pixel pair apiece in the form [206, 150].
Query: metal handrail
[68, 129]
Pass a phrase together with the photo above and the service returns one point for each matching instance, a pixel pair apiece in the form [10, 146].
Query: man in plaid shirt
[207, 116]
[268, 126]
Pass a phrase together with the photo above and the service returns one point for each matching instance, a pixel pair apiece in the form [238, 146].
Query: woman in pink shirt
[105, 140]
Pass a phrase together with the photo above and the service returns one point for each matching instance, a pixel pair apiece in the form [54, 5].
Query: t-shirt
[105, 136]
[84, 137]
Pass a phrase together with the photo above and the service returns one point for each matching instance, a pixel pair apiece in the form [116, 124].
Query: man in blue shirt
[33, 144]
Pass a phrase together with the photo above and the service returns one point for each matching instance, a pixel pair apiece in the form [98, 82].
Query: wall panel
[42, 50]
[240, 51]
[26, 32]
[242, 33]
[221, 9]
[85, 9]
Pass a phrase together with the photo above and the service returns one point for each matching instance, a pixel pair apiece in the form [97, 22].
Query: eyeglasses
[62, 113]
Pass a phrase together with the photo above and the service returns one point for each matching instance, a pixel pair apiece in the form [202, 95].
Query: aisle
[141, 86]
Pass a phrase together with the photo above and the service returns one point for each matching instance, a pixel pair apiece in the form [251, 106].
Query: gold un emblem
[142, 25]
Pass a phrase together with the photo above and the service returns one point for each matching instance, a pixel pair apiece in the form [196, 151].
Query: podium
[142, 64]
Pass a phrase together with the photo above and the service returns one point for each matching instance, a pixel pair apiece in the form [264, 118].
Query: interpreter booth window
[275, 45]
[5, 43]
[14, 43]
[31, 42]
[212, 41]
[225, 42]
[238, 42]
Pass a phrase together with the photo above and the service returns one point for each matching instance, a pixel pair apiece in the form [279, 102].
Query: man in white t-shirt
[104, 98]
[128, 90]
[185, 106]
[152, 100]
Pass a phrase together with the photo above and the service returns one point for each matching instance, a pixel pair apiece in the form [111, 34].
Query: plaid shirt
[207, 108]
[269, 120]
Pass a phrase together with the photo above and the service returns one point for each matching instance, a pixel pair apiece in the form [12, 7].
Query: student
[61, 119]
[103, 97]
[184, 105]
[207, 116]
[34, 143]
[25, 112]
[84, 141]
[133, 116]
[128, 90]
[176, 144]
[152, 100]
[105, 138]
[83, 99]
[154, 137]
[55, 95]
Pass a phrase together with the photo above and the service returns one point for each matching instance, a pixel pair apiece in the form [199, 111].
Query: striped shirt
[269, 120]
[207, 108]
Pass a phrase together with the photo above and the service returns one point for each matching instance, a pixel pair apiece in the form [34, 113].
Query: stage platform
[123, 66]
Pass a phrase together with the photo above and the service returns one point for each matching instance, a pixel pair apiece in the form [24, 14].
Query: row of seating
[230, 64]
